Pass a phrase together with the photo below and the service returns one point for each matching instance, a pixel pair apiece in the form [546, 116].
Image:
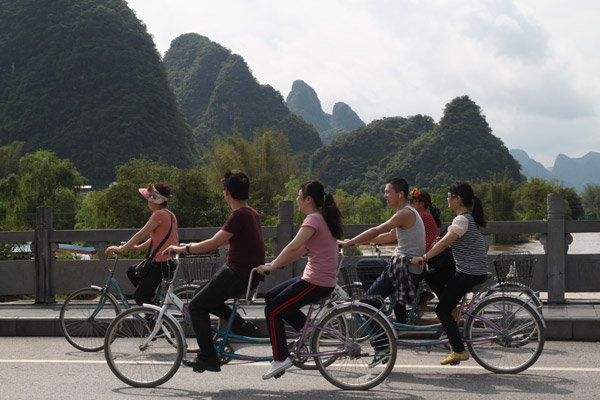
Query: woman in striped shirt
[470, 255]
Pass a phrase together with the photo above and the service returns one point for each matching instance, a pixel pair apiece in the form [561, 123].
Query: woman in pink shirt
[318, 234]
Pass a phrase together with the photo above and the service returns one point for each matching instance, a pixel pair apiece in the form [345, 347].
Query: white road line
[263, 363]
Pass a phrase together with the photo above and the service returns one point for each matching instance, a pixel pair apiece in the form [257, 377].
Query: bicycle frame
[111, 281]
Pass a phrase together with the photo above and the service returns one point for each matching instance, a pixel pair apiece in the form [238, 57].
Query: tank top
[411, 241]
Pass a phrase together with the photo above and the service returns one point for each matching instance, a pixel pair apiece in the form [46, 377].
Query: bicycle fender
[518, 299]
[359, 304]
[172, 319]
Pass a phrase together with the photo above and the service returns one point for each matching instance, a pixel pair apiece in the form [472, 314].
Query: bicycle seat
[476, 288]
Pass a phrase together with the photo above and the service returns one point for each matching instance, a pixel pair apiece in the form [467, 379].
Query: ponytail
[333, 216]
[436, 213]
[469, 200]
[477, 212]
[326, 205]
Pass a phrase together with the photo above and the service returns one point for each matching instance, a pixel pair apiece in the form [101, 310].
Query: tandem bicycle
[144, 346]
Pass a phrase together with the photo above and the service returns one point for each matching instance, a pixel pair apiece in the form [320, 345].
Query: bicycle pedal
[198, 370]
[455, 363]
[279, 375]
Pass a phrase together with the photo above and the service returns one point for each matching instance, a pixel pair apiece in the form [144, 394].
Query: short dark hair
[399, 185]
[237, 183]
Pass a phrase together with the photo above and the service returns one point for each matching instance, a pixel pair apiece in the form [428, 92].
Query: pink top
[163, 217]
[323, 252]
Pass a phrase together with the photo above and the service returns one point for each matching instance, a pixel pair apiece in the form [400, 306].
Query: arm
[385, 238]
[446, 241]
[399, 219]
[220, 238]
[293, 251]
[135, 239]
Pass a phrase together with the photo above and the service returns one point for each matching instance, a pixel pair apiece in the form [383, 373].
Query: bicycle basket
[196, 270]
[356, 279]
[515, 268]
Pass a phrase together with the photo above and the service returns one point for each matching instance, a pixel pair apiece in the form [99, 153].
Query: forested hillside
[354, 162]
[428, 155]
[219, 95]
[84, 80]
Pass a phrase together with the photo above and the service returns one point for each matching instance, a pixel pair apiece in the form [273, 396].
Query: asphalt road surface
[49, 368]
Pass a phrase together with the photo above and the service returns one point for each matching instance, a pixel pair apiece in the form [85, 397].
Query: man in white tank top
[405, 227]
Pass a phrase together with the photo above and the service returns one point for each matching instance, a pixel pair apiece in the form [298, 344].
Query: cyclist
[470, 255]
[242, 231]
[162, 228]
[421, 201]
[318, 234]
[406, 227]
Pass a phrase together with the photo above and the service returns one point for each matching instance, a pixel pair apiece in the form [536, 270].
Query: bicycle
[342, 341]
[503, 332]
[87, 312]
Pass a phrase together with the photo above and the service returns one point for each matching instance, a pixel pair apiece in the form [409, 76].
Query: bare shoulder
[405, 218]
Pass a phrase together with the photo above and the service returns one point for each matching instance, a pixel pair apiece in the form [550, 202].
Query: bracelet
[425, 257]
[187, 248]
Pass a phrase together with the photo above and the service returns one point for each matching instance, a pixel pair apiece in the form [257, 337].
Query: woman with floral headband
[421, 201]
[162, 229]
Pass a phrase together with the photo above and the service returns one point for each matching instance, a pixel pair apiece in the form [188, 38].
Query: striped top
[469, 249]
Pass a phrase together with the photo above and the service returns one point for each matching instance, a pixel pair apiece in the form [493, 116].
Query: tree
[590, 198]
[9, 158]
[120, 206]
[42, 180]
[266, 161]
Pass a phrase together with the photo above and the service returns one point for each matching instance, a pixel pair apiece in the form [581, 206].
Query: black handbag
[143, 267]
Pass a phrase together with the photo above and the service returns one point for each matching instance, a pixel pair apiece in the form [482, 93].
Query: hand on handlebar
[264, 269]
[172, 250]
[416, 260]
[113, 250]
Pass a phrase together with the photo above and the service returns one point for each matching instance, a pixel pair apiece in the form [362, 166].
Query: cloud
[531, 66]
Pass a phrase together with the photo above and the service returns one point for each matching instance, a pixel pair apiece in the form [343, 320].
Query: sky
[531, 65]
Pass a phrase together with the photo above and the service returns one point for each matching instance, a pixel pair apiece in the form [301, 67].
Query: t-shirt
[163, 217]
[432, 231]
[246, 246]
[321, 267]
[469, 249]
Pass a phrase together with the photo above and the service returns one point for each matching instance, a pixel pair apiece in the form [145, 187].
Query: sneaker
[278, 367]
[203, 364]
[247, 329]
[455, 358]
[381, 356]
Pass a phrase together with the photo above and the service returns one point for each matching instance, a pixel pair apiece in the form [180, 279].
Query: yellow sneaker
[455, 358]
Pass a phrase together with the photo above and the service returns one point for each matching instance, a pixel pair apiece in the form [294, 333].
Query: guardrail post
[556, 249]
[43, 256]
[285, 234]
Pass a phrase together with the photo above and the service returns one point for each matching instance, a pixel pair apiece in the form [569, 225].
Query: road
[49, 368]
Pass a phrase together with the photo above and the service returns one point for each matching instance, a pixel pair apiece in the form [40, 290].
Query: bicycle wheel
[518, 290]
[360, 358]
[508, 334]
[85, 316]
[136, 362]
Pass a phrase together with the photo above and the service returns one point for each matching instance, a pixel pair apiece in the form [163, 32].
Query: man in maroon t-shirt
[242, 231]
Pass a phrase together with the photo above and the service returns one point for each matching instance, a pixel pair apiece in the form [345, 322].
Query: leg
[384, 287]
[210, 299]
[284, 302]
[146, 287]
[285, 305]
[456, 288]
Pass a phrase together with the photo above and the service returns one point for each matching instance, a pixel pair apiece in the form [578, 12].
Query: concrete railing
[45, 276]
